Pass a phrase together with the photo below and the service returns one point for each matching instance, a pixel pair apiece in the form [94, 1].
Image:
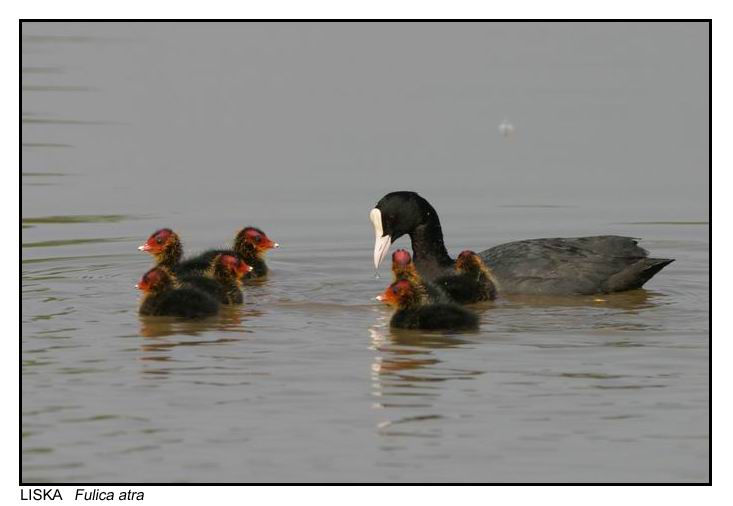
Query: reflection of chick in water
[159, 331]
[230, 318]
[406, 374]
[399, 350]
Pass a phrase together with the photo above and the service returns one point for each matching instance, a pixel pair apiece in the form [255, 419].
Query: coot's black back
[576, 265]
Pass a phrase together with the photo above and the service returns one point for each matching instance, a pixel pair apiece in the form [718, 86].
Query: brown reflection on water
[159, 332]
[630, 300]
[228, 319]
[407, 376]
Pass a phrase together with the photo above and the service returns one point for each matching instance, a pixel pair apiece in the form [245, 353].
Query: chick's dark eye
[159, 240]
[258, 238]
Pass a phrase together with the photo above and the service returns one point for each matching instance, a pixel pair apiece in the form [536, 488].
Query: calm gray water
[300, 129]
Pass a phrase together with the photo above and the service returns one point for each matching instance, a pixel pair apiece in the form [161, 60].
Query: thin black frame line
[710, 255]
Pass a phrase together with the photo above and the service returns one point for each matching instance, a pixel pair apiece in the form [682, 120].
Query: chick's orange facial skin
[235, 265]
[157, 241]
[242, 269]
[395, 293]
[258, 239]
[150, 280]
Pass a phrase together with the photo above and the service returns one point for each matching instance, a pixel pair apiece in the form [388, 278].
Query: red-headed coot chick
[559, 266]
[404, 268]
[222, 280]
[250, 245]
[472, 282]
[165, 247]
[413, 312]
[164, 296]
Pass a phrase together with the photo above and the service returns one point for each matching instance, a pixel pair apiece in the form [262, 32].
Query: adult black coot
[414, 311]
[558, 266]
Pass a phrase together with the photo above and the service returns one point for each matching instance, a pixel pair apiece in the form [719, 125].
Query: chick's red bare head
[257, 239]
[154, 279]
[158, 240]
[401, 258]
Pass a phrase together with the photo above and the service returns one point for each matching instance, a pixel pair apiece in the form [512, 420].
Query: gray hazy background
[613, 112]
[299, 128]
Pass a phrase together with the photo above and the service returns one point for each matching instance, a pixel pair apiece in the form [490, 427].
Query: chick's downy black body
[220, 279]
[223, 293]
[414, 311]
[471, 282]
[250, 245]
[404, 268]
[185, 302]
[200, 262]
[164, 296]
[435, 317]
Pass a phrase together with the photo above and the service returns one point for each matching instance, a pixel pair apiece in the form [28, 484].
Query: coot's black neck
[428, 249]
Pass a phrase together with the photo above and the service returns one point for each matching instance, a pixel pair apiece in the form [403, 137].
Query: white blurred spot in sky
[506, 129]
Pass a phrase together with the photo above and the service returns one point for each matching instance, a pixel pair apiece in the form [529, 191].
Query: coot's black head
[397, 214]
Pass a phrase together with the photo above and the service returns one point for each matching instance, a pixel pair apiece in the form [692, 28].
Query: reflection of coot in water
[414, 313]
[559, 266]
[163, 296]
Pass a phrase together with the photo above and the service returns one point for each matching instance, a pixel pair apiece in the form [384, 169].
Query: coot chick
[404, 268]
[558, 266]
[166, 248]
[164, 296]
[472, 281]
[222, 280]
[250, 245]
[413, 312]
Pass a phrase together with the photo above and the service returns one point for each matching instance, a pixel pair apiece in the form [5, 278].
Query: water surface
[300, 129]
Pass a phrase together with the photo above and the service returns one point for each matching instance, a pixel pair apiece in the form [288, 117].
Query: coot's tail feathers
[573, 265]
[635, 275]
